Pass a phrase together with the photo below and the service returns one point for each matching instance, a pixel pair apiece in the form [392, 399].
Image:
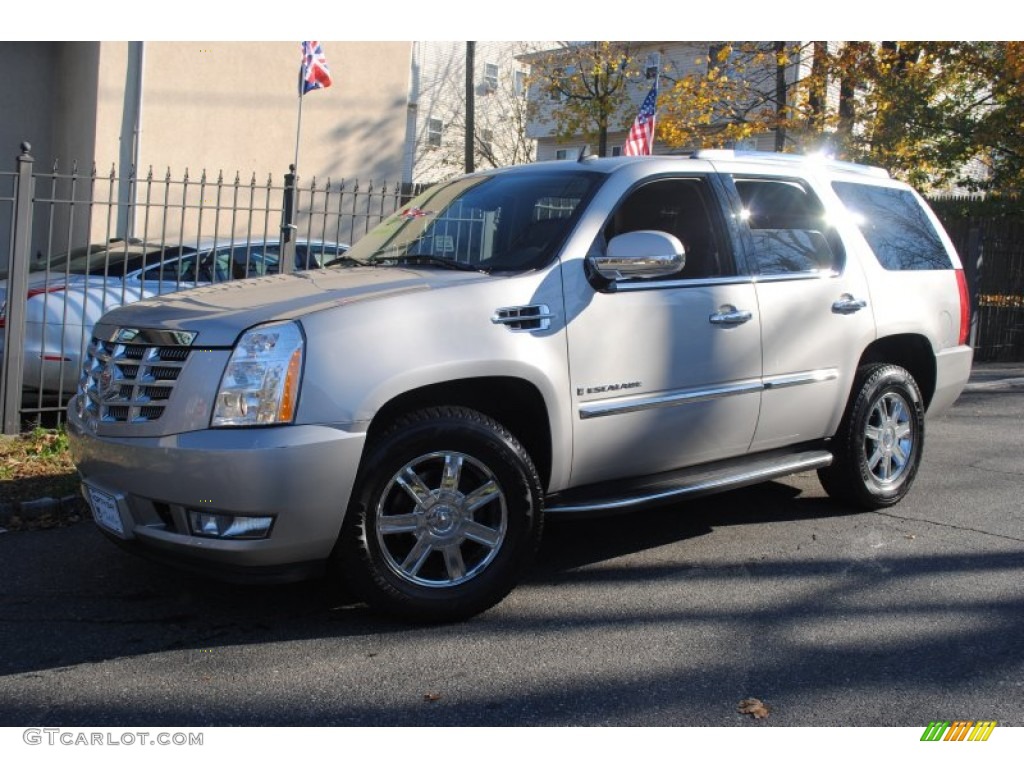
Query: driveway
[667, 617]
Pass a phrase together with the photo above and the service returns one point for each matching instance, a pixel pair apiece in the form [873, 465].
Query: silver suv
[560, 338]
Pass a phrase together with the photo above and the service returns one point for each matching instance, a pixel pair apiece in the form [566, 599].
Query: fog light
[218, 525]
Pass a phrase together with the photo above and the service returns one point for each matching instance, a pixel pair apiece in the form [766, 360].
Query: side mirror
[645, 253]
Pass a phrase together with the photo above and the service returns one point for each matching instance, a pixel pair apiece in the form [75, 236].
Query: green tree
[583, 88]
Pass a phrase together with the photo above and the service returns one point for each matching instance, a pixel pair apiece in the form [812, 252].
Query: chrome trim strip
[814, 461]
[780, 381]
[618, 405]
[629, 404]
[650, 285]
[821, 274]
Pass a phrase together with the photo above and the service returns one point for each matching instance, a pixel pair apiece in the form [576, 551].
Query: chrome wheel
[441, 520]
[888, 438]
[878, 447]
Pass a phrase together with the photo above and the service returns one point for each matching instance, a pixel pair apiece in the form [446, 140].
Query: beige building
[216, 106]
[182, 108]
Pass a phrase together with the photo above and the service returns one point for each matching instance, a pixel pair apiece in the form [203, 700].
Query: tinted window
[788, 227]
[678, 207]
[895, 226]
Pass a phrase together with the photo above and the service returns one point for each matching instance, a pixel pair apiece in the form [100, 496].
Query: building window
[434, 129]
[491, 77]
[652, 66]
[485, 139]
[615, 151]
[563, 154]
[561, 83]
[520, 83]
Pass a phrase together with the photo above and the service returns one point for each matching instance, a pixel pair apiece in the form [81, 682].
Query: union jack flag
[641, 135]
[313, 73]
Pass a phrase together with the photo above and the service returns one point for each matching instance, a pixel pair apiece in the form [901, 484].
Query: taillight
[31, 293]
[47, 289]
[965, 306]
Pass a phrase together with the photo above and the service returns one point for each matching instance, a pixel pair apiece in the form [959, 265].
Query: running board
[694, 481]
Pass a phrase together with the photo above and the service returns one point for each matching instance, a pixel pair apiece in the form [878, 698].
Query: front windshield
[505, 222]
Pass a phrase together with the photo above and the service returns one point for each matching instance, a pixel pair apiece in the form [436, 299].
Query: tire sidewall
[443, 430]
[883, 381]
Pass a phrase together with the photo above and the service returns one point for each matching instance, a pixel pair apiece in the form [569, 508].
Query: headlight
[261, 383]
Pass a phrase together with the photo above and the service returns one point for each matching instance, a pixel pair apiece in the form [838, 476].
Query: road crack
[950, 525]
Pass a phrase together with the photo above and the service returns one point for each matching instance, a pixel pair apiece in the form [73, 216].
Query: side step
[720, 476]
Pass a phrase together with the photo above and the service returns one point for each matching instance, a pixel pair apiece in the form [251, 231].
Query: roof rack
[783, 158]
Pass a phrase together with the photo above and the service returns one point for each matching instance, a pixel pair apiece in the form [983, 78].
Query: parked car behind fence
[68, 293]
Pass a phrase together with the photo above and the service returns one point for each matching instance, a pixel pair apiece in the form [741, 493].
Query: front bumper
[302, 475]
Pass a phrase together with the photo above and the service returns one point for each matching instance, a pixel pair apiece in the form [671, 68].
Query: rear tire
[445, 517]
[878, 447]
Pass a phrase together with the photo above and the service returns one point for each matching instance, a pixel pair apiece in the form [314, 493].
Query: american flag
[314, 72]
[641, 135]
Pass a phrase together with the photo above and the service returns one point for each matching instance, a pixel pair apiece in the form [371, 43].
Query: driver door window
[679, 207]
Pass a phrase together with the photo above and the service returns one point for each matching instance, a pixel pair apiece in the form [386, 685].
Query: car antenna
[584, 154]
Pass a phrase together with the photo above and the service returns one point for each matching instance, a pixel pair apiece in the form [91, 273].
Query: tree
[583, 88]
[920, 109]
[732, 94]
[498, 120]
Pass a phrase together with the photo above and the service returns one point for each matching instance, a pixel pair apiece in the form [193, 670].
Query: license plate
[105, 511]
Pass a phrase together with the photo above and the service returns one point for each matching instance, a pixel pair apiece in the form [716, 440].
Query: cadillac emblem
[108, 382]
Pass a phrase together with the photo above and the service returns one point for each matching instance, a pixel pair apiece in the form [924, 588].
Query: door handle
[847, 305]
[729, 315]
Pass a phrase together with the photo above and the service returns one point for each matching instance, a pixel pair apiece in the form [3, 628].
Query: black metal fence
[992, 251]
[74, 244]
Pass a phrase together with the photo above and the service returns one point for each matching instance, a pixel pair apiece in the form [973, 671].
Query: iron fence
[74, 244]
[992, 251]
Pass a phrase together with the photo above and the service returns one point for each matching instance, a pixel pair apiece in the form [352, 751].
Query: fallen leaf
[754, 707]
[910, 536]
[431, 696]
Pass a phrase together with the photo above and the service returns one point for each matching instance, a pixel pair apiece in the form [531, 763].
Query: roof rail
[784, 158]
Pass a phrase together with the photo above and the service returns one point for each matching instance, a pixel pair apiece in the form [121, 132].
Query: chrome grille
[128, 383]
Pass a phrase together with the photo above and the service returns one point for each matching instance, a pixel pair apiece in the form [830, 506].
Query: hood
[219, 313]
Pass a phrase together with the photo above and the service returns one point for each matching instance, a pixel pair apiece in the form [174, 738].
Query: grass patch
[35, 465]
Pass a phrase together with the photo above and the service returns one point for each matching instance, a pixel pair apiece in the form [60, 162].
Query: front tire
[878, 447]
[446, 515]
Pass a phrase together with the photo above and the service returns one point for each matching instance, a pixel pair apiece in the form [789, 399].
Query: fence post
[17, 289]
[288, 224]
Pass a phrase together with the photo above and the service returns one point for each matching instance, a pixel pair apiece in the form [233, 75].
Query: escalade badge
[580, 391]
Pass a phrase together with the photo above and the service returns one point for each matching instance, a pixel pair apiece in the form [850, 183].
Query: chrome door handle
[729, 315]
[847, 305]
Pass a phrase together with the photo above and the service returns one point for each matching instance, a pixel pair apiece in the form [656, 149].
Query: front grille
[128, 383]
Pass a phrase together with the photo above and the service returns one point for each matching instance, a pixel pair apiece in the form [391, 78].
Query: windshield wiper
[436, 261]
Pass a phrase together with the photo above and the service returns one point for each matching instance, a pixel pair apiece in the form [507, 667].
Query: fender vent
[534, 317]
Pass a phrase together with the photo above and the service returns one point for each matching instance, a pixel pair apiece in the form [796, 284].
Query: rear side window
[788, 227]
[895, 226]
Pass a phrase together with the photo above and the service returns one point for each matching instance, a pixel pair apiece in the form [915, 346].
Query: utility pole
[470, 106]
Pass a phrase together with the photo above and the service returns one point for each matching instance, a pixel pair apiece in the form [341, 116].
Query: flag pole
[298, 130]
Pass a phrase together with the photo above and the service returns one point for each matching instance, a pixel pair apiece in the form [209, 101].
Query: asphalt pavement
[668, 617]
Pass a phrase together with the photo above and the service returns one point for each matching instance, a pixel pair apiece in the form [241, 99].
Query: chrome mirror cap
[644, 253]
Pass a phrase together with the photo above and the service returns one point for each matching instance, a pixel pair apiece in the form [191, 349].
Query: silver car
[67, 295]
[554, 339]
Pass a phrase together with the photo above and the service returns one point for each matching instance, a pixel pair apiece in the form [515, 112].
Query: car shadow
[73, 597]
